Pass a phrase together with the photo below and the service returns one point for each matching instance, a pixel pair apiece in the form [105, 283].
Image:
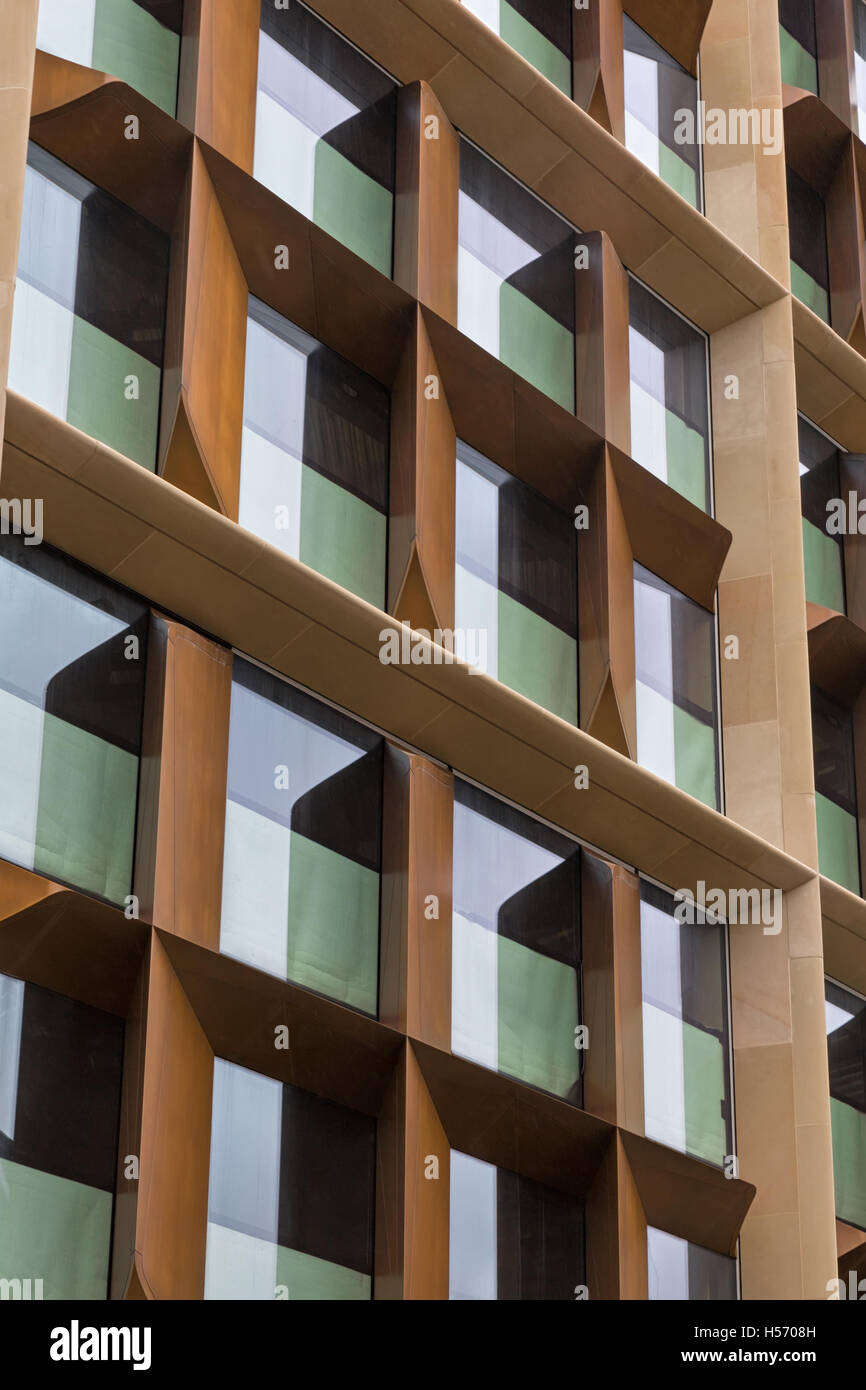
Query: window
[516, 276]
[515, 985]
[686, 1051]
[846, 1050]
[89, 309]
[516, 583]
[675, 668]
[72, 663]
[511, 1238]
[820, 482]
[860, 64]
[135, 40]
[292, 1184]
[659, 95]
[670, 414]
[540, 31]
[807, 225]
[835, 791]
[798, 44]
[326, 131]
[680, 1270]
[302, 840]
[60, 1077]
[314, 464]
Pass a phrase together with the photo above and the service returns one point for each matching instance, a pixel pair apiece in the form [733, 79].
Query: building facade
[438, 873]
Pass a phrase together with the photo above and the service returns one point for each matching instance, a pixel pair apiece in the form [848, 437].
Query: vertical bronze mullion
[597, 63]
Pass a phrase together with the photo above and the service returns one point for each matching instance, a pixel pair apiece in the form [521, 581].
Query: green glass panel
[849, 1161]
[678, 174]
[55, 1230]
[98, 404]
[532, 45]
[343, 537]
[695, 757]
[809, 292]
[822, 558]
[86, 819]
[704, 1091]
[333, 928]
[129, 43]
[308, 1278]
[537, 659]
[838, 856]
[352, 207]
[799, 68]
[686, 457]
[535, 346]
[537, 1018]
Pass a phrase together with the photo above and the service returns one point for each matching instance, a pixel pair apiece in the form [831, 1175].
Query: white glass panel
[490, 241]
[656, 745]
[668, 1265]
[41, 349]
[486, 10]
[477, 521]
[65, 28]
[478, 301]
[246, 1140]
[472, 1234]
[641, 76]
[20, 770]
[239, 1266]
[642, 142]
[653, 637]
[255, 893]
[285, 154]
[270, 479]
[298, 89]
[50, 234]
[275, 387]
[664, 1089]
[11, 1012]
[474, 991]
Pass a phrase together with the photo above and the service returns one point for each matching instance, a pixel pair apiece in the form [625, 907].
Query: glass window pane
[135, 40]
[669, 403]
[846, 1049]
[820, 483]
[72, 666]
[516, 276]
[859, 16]
[511, 1238]
[687, 1083]
[302, 859]
[89, 309]
[835, 791]
[675, 669]
[60, 1078]
[515, 991]
[657, 92]
[516, 584]
[292, 1186]
[314, 461]
[539, 30]
[680, 1270]
[798, 44]
[326, 130]
[807, 223]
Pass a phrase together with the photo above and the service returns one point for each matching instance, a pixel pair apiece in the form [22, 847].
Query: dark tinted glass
[833, 742]
[820, 482]
[680, 1270]
[798, 17]
[846, 1045]
[808, 229]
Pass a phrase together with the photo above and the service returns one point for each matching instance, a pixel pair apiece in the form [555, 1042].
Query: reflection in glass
[515, 992]
[820, 482]
[675, 668]
[302, 853]
[72, 662]
[859, 16]
[292, 1185]
[539, 30]
[846, 1050]
[798, 44]
[807, 224]
[314, 465]
[669, 403]
[60, 1075]
[89, 309]
[680, 1270]
[516, 583]
[835, 791]
[657, 91]
[326, 130]
[516, 276]
[135, 40]
[687, 1081]
[511, 1238]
